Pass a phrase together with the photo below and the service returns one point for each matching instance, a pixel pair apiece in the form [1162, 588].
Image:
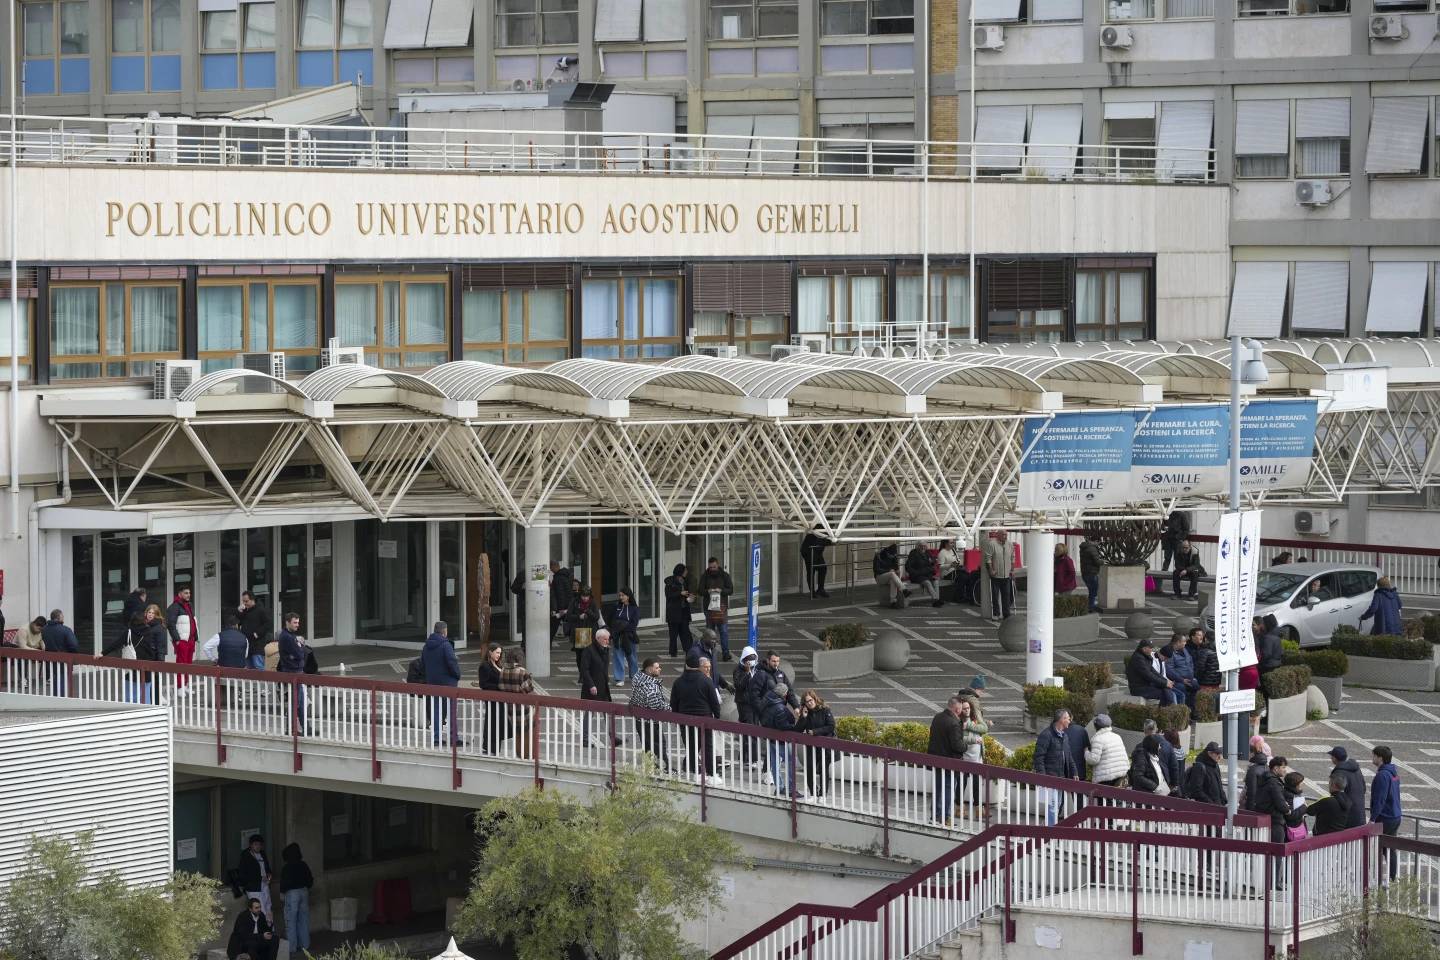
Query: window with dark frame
[859, 18]
[743, 304]
[400, 320]
[515, 313]
[113, 329]
[754, 19]
[1027, 301]
[257, 315]
[630, 317]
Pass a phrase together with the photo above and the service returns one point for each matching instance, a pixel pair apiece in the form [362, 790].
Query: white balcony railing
[234, 143]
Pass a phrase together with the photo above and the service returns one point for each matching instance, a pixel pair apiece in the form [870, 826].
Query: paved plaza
[953, 644]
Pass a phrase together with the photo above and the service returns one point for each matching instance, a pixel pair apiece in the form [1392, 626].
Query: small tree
[1124, 543]
[1388, 925]
[612, 878]
[57, 909]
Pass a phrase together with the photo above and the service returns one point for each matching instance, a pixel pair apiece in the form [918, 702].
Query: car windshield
[1274, 587]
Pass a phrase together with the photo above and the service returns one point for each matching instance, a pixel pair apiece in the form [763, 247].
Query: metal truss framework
[856, 446]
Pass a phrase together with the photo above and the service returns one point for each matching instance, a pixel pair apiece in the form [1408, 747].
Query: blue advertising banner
[1076, 460]
[753, 610]
[1180, 451]
[1277, 443]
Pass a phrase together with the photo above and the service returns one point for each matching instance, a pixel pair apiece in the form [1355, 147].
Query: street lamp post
[1252, 373]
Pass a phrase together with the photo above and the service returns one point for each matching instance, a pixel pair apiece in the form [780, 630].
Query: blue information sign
[754, 606]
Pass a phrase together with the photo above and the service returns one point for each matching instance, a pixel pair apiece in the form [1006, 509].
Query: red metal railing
[388, 722]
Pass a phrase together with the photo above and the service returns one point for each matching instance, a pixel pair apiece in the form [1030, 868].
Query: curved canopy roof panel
[329, 383]
[227, 382]
[949, 378]
[1156, 364]
[613, 380]
[769, 380]
[473, 380]
[1397, 353]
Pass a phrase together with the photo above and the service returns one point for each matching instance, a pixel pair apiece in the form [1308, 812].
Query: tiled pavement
[951, 645]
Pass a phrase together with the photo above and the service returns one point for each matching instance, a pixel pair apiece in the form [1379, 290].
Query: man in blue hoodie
[777, 714]
[1385, 795]
[437, 658]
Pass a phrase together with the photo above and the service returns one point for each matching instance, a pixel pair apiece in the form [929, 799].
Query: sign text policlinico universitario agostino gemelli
[179, 218]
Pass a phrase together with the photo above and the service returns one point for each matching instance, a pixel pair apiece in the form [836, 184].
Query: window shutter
[711, 287]
[1028, 285]
[996, 129]
[1397, 297]
[1324, 118]
[1054, 137]
[217, 6]
[1397, 134]
[449, 23]
[406, 23]
[852, 268]
[1262, 128]
[993, 10]
[1322, 296]
[617, 21]
[1130, 110]
[1183, 142]
[762, 289]
[664, 20]
[1257, 299]
[498, 276]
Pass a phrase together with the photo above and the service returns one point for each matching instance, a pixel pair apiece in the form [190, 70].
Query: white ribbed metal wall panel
[106, 770]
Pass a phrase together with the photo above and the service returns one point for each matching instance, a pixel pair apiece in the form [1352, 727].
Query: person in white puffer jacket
[1107, 757]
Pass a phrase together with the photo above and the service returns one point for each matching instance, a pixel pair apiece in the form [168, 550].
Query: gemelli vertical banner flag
[1180, 451]
[1277, 442]
[1076, 460]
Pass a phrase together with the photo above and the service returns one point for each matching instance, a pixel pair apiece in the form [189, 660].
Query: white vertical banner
[1226, 592]
[1246, 573]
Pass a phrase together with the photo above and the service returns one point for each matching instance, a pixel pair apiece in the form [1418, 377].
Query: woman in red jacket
[1064, 570]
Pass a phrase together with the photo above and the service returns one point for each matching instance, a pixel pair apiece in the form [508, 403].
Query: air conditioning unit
[1387, 28]
[334, 353]
[1117, 37]
[725, 351]
[1314, 522]
[519, 84]
[814, 342]
[990, 37]
[271, 363]
[779, 351]
[1313, 193]
[173, 377]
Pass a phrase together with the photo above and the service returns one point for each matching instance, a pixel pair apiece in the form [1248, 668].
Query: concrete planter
[1012, 634]
[1122, 588]
[1333, 688]
[1203, 733]
[1105, 696]
[1286, 713]
[1184, 625]
[1076, 631]
[828, 665]
[1386, 674]
[1031, 723]
[892, 651]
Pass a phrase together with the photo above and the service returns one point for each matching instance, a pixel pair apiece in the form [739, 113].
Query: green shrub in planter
[844, 636]
[1086, 678]
[1132, 716]
[1431, 623]
[1288, 646]
[992, 751]
[1069, 605]
[1326, 662]
[1022, 759]
[1042, 702]
[1285, 682]
[1381, 646]
[905, 736]
[858, 730]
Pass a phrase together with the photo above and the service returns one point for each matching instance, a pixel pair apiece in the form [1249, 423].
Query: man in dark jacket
[1177, 528]
[947, 739]
[694, 694]
[253, 935]
[715, 589]
[295, 883]
[1202, 780]
[1090, 571]
[779, 715]
[1270, 799]
[1077, 739]
[1354, 784]
[134, 603]
[595, 681]
[886, 566]
[1207, 664]
[230, 646]
[767, 677]
[812, 553]
[562, 594]
[704, 649]
[255, 624]
[677, 611]
[292, 660]
[1385, 795]
[1259, 766]
[1145, 678]
[1268, 650]
[920, 568]
[57, 637]
[1053, 756]
[252, 872]
[1188, 567]
[442, 669]
[1332, 813]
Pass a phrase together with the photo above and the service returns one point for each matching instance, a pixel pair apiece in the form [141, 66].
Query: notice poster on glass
[1076, 460]
[387, 549]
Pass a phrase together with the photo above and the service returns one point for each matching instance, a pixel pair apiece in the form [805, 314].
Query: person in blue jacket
[442, 669]
[1385, 795]
[1385, 607]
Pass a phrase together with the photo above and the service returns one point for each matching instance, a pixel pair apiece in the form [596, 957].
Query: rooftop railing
[233, 143]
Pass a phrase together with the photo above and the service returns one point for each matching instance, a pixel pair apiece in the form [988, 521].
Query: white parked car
[1309, 600]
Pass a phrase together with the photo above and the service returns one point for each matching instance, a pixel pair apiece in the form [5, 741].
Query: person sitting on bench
[1187, 565]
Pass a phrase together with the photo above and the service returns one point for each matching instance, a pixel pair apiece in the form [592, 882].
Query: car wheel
[1291, 634]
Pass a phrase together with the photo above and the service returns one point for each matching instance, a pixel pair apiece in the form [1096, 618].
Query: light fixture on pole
[1250, 372]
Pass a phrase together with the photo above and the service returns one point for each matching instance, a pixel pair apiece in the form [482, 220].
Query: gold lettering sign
[422, 218]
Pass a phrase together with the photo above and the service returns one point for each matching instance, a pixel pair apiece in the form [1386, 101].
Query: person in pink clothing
[1064, 570]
